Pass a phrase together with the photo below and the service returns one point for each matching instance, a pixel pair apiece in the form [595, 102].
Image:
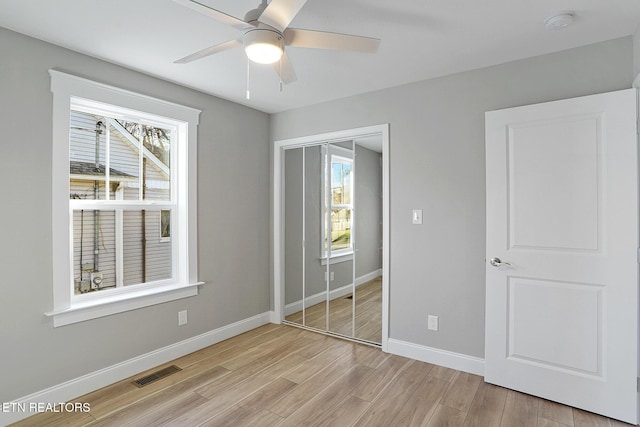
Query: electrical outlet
[182, 317]
[331, 276]
[432, 323]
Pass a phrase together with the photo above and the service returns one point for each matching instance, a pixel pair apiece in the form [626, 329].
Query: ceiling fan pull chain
[280, 74]
[248, 91]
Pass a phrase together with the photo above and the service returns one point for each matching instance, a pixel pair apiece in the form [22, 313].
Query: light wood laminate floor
[368, 309]
[278, 375]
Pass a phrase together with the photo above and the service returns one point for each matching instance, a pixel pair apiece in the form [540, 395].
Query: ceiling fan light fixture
[263, 46]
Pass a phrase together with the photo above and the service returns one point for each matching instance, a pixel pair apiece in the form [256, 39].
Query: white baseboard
[69, 390]
[448, 359]
[368, 277]
[273, 318]
[296, 306]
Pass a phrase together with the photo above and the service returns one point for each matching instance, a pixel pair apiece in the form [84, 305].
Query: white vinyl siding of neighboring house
[123, 158]
[106, 241]
[158, 256]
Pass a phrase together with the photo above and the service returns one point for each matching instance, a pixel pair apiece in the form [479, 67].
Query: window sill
[336, 259]
[80, 312]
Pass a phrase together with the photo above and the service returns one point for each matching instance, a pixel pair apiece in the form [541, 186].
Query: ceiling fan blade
[209, 51]
[215, 14]
[323, 40]
[285, 69]
[280, 13]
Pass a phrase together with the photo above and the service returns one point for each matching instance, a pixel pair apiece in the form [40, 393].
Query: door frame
[278, 209]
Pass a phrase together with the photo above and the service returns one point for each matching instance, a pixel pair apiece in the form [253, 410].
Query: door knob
[496, 262]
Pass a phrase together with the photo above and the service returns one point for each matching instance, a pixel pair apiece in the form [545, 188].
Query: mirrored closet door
[333, 239]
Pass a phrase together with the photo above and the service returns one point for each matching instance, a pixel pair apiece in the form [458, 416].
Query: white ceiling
[421, 39]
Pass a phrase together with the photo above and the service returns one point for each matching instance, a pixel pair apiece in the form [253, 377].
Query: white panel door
[562, 218]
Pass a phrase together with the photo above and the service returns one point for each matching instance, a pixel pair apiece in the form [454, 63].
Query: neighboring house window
[165, 225]
[338, 179]
[123, 200]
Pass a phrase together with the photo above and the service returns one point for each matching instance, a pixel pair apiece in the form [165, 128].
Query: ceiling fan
[266, 33]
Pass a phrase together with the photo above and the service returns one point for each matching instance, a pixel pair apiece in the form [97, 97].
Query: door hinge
[638, 255]
[638, 384]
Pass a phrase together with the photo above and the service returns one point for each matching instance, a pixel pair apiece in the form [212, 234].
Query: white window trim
[346, 254]
[65, 309]
[337, 257]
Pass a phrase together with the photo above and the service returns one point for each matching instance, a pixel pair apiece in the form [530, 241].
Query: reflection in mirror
[305, 284]
[293, 236]
[315, 280]
[329, 194]
[339, 234]
[368, 260]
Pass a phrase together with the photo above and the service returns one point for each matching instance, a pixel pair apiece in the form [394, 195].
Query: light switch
[417, 216]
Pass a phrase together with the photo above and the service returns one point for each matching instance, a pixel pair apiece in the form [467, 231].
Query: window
[338, 202]
[123, 200]
[165, 225]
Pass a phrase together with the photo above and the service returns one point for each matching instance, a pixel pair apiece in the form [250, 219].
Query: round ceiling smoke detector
[559, 21]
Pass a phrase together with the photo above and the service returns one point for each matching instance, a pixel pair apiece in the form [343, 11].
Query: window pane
[340, 182]
[146, 254]
[94, 251]
[92, 137]
[156, 166]
[124, 163]
[340, 229]
[87, 145]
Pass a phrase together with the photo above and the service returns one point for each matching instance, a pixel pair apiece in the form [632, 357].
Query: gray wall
[437, 164]
[233, 224]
